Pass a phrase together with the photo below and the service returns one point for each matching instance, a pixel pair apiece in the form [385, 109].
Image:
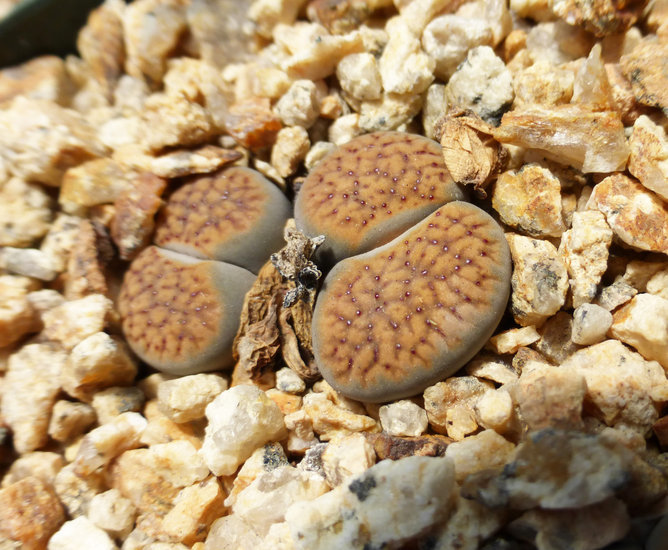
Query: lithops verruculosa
[235, 216]
[179, 303]
[391, 321]
[371, 189]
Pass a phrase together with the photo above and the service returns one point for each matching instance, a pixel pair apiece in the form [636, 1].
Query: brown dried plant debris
[293, 261]
[274, 318]
[136, 207]
[470, 152]
[91, 253]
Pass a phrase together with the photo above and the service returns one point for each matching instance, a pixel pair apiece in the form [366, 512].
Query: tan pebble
[643, 324]
[31, 385]
[113, 401]
[99, 361]
[30, 513]
[289, 150]
[637, 216]
[195, 508]
[590, 324]
[403, 418]
[479, 452]
[108, 441]
[543, 83]
[328, 418]
[300, 432]
[76, 492]
[615, 295]
[539, 280]
[644, 66]
[263, 459]
[555, 338]
[40, 464]
[287, 402]
[550, 397]
[185, 398]
[584, 249]
[26, 209]
[347, 455]
[17, 318]
[610, 369]
[511, 340]
[450, 405]
[112, 512]
[73, 321]
[160, 429]
[496, 368]
[649, 155]
[43, 77]
[81, 531]
[494, 410]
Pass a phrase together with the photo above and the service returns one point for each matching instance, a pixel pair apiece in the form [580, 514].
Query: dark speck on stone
[273, 457]
[362, 487]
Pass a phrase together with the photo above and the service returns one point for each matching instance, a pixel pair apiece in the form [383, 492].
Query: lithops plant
[180, 305]
[370, 190]
[235, 216]
[391, 321]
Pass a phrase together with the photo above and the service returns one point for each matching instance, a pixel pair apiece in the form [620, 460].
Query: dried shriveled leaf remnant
[180, 314]
[371, 189]
[471, 154]
[231, 216]
[392, 321]
[293, 261]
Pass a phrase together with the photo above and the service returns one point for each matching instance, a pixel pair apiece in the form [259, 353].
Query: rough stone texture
[549, 397]
[495, 410]
[289, 381]
[555, 470]
[612, 371]
[403, 66]
[543, 83]
[584, 249]
[483, 84]
[359, 76]
[328, 418]
[161, 429]
[591, 141]
[615, 295]
[231, 532]
[530, 199]
[185, 398]
[649, 155]
[415, 310]
[590, 527]
[241, 419]
[152, 478]
[637, 216]
[448, 38]
[43, 77]
[555, 338]
[74, 321]
[360, 513]
[17, 317]
[509, 341]
[590, 324]
[658, 284]
[98, 361]
[198, 335]
[347, 455]
[539, 280]
[390, 112]
[645, 68]
[97, 181]
[299, 106]
[479, 452]
[111, 402]
[643, 324]
[492, 367]
[42, 465]
[112, 512]
[30, 388]
[76, 492]
[80, 532]
[359, 200]
[266, 500]
[30, 262]
[313, 52]
[40, 140]
[264, 459]
[108, 441]
[469, 525]
[291, 146]
[30, 513]
[25, 207]
[450, 405]
[69, 420]
[195, 508]
[403, 418]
